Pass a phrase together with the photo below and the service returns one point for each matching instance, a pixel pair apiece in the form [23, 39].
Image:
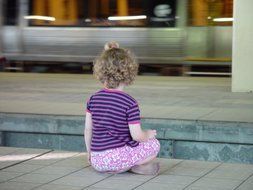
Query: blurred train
[175, 32]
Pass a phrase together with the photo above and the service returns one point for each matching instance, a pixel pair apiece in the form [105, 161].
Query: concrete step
[180, 139]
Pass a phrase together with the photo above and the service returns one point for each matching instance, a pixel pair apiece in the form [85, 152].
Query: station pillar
[242, 56]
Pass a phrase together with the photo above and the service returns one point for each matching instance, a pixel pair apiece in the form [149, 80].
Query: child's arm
[140, 135]
[88, 132]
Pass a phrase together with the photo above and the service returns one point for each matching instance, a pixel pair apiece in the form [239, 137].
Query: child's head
[115, 66]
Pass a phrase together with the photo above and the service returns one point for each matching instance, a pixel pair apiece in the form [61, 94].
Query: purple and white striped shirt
[112, 111]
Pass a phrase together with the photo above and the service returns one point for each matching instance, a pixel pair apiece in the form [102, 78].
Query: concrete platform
[196, 118]
[188, 98]
[25, 169]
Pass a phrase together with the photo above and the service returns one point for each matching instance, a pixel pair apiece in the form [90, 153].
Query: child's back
[112, 111]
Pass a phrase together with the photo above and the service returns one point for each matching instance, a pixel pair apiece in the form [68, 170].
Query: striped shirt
[112, 111]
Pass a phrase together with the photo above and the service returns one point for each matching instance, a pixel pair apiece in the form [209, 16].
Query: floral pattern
[124, 158]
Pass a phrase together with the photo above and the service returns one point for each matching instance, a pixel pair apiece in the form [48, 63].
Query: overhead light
[138, 17]
[87, 20]
[223, 19]
[38, 17]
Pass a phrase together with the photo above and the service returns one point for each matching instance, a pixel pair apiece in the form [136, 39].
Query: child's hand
[151, 134]
[88, 157]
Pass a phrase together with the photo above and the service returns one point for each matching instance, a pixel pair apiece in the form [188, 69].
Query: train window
[109, 13]
[210, 12]
[10, 12]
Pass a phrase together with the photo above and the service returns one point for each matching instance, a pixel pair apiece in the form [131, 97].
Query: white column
[242, 64]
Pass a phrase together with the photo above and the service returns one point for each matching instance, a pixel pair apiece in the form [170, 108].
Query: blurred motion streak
[127, 17]
[223, 19]
[172, 37]
[38, 17]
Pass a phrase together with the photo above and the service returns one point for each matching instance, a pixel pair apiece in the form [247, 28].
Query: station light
[38, 17]
[138, 17]
[223, 19]
[87, 20]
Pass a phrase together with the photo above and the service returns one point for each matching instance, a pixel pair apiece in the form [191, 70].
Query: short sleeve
[88, 106]
[133, 114]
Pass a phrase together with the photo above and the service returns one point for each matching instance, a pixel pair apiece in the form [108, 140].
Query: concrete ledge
[210, 131]
[187, 139]
[51, 124]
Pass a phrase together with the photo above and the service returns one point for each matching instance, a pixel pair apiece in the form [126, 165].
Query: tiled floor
[38, 169]
[193, 98]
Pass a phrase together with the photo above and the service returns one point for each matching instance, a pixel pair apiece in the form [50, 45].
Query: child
[114, 139]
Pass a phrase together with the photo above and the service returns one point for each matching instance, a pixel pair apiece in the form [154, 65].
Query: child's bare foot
[146, 169]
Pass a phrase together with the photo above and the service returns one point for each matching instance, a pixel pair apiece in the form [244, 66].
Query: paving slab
[7, 150]
[117, 184]
[188, 171]
[13, 185]
[55, 170]
[37, 178]
[248, 184]
[58, 187]
[175, 174]
[5, 176]
[22, 168]
[51, 158]
[210, 183]
[160, 186]
[231, 171]
[18, 155]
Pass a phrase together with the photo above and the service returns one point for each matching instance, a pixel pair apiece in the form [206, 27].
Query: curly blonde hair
[114, 66]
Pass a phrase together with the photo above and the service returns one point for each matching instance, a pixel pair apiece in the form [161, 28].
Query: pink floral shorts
[124, 158]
